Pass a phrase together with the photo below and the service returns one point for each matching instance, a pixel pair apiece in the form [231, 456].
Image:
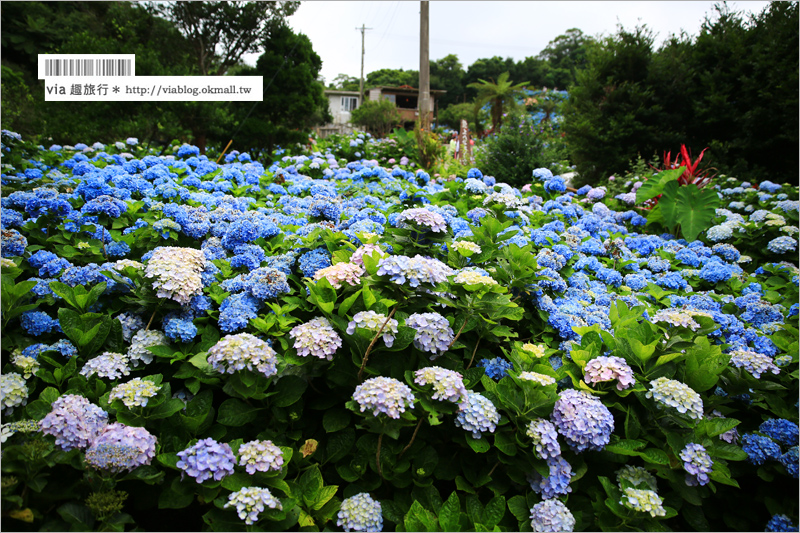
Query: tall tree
[293, 103]
[565, 55]
[222, 32]
[448, 74]
[390, 77]
[484, 69]
[343, 82]
[501, 95]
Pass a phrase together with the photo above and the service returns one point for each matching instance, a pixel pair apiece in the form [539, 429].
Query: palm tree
[500, 94]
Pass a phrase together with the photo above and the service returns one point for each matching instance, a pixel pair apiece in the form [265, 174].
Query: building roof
[407, 89]
[344, 93]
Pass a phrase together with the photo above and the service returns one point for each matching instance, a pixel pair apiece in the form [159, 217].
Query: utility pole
[361, 81]
[424, 67]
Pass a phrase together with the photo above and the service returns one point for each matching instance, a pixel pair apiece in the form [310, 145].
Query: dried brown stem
[459, 333]
[371, 344]
[473, 353]
[493, 469]
[414, 436]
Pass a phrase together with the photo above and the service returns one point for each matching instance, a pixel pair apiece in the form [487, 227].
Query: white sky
[476, 29]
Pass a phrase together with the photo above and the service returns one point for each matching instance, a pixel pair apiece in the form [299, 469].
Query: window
[390, 97]
[349, 103]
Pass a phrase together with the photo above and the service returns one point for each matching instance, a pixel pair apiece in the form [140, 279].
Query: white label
[155, 89]
[86, 65]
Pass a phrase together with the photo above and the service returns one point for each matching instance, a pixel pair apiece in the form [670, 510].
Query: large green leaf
[655, 185]
[694, 209]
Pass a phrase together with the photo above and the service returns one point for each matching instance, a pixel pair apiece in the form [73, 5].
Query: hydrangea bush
[334, 342]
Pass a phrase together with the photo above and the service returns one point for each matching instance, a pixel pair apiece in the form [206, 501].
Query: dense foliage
[733, 88]
[328, 342]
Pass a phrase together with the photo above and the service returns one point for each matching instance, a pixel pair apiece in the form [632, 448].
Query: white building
[340, 104]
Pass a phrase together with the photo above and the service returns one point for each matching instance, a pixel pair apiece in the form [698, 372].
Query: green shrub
[378, 116]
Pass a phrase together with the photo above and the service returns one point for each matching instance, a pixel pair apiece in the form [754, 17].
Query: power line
[396, 7]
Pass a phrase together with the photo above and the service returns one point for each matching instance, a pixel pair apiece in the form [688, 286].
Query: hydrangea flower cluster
[27, 365]
[678, 395]
[545, 438]
[134, 393]
[760, 449]
[316, 337]
[697, 464]
[780, 522]
[447, 384]
[644, 501]
[537, 350]
[243, 351]
[466, 248]
[424, 219]
[261, 456]
[433, 332]
[207, 459]
[551, 516]
[142, 340]
[416, 270]
[636, 476]
[477, 415]
[373, 321]
[384, 395]
[176, 272]
[541, 379]
[340, 273]
[557, 481]
[470, 277]
[13, 392]
[119, 447]
[608, 368]
[74, 422]
[781, 430]
[754, 362]
[582, 420]
[495, 368]
[360, 513]
[679, 317]
[109, 365]
[365, 249]
[251, 502]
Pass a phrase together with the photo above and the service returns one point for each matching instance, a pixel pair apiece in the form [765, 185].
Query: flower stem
[152, 316]
[371, 344]
[473, 353]
[414, 436]
[378, 456]
[459, 332]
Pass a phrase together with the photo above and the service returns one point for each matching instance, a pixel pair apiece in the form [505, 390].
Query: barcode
[87, 67]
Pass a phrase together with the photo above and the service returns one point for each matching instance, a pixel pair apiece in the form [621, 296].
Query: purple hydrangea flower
[243, 351]
[416, 270]
[261, 456]
[583, 420]
[555, 484]
[119, 447]
[544, 436]
[754, 362]
[384, 395]
[207, 459]
[697, 464]
[447, 384]
[607, 368]
[477, 415]
[551, 516]
[316, 337]
[74, 422]
[360, 513]
[433, 332]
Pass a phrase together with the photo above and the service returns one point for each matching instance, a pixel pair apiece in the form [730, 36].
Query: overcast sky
[476, 29]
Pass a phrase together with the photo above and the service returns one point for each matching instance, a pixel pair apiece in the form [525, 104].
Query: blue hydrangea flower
[360, 513]
[781, 430]
[780, 522]
[495, 368]
[477, 415]
[760, 449]
[207, 459]
[697, 463]
[582, 420]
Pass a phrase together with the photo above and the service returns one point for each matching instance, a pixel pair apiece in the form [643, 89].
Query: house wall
[340, 116]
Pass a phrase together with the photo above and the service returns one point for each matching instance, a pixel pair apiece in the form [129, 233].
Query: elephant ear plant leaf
[689, 208]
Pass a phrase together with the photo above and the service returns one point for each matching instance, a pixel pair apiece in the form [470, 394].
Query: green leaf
[166, 409]
[77, 515]
[694, 209]
[505, 443]
[236, 413]
[625, 447]
[339, 444]
[325, 494]
[311, 483]
[419, 519]
[449, 513]
[479, 445]
[519, 508]
[654, 455]
[288, 390]
[704, 363]
[654, 186]
[348, 302]
[49, 395]
[493, 512]
[335, 419]
[178, 495]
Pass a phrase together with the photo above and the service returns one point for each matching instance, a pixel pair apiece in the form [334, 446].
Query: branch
[459, 332]
[416, 429]
[374, 339]
[473, 353]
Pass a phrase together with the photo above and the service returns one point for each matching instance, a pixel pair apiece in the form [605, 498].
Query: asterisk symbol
[115, 89]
